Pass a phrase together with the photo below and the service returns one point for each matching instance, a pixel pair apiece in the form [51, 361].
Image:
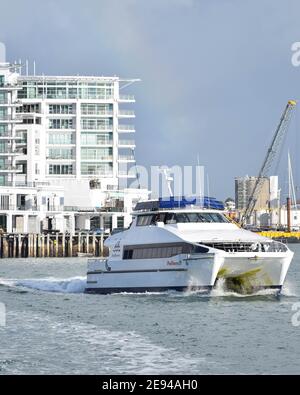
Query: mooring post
[19, 245]
[48, 245]
[87, 243]
[15, 247]
[94, 244]
[63, 244]
[38, 245]
[29, 246]
[79, 242]
[34, 245]
[43, 246]
[56, 245]
[5, 247]
[101, 244]
[71, 246]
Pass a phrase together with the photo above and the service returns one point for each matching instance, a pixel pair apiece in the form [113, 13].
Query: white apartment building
[67, 142]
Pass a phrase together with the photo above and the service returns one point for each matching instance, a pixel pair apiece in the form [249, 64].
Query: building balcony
[126, 114]
[126, 128]
[10, 169]
[125, 174]
[99, 174]
[107, 158]
[126, 158]
[98, 144]
[60, 116]
[98, 129]
[18, 208]
[7, 154]
[126, 144]
[8, 137]
[99, 114]
[15, 104]
[9, 119]
[126, 99]
[8, 87]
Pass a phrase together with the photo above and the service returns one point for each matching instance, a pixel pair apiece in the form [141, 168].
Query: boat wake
[78, 285]
[50, 284]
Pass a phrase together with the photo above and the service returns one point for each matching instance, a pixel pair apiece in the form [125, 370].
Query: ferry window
[127, 254]
[162, 252]
[194, 217]
[144, 220]
[182, 217]
[170, 218]
[200, 249]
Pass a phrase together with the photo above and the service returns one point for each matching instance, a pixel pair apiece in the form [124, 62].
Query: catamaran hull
[248, 272]
[179, 273]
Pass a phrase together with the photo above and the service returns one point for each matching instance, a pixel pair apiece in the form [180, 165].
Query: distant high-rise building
[244, 187]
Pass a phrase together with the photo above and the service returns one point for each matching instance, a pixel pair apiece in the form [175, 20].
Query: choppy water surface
[53, 327]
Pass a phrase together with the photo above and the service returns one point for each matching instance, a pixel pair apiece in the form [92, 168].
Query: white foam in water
[129, 352]
[221, 291]
[68, 285]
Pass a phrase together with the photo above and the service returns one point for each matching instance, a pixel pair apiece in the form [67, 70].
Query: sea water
[52, 327]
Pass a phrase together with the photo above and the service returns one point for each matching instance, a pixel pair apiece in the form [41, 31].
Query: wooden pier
[51, 245]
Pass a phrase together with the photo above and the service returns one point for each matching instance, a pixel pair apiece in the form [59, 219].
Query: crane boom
[271, 153]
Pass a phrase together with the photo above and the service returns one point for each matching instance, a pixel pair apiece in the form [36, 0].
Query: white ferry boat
[181, 245]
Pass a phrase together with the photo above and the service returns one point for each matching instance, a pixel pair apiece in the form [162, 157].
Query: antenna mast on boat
[166, 172]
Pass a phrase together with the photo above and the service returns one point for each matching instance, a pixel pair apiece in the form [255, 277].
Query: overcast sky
[216, 74]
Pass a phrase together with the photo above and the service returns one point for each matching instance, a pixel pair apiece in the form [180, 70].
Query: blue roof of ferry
[174, 202]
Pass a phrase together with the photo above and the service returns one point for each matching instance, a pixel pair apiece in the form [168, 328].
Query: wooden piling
[56, 245]
[48, 245]
[19, 246]
[87, 243]
[94, 244]
[101, 244]
[63, 244]
[43, 246]
[79, 242]
[34, 245]
[70, 249]
[15, 247]
[5, 247]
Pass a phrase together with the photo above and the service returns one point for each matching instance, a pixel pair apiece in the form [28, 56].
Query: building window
[96, 139]
[61, 123]
[60, 169]
[60, 109]
[60, 153]
[96, 109]
[97, 124]
[120, 222]
[99, 169]
[96, 153]
[61, 138]
[2, 97]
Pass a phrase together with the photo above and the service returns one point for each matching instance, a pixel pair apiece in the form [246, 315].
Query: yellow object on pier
[277, 234]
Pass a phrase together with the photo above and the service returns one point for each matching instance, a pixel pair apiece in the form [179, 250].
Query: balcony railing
[129, 113]
[126, 128]
[9, 118]
[128, 143]
[107, 157]
[101, 113]
[97, 143]
[126, 158]
[127, 98]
